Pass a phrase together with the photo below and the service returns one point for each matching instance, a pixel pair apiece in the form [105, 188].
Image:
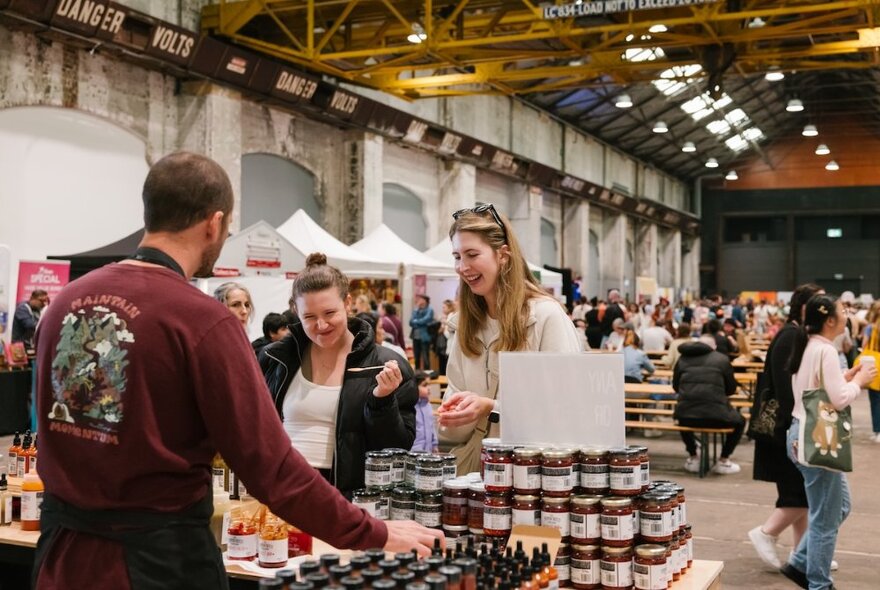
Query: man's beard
[206, 264]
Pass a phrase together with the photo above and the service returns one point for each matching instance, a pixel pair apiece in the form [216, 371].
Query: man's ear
[217, 225]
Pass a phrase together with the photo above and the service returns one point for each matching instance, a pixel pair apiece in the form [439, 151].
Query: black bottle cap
[417, 586]
[504, 585]
[318, 580]
[384, 585]
[352, 582]
[375, 555]
[308, 567]
[273, 583]
[405, 559]
[371, 575]
[515, 580]
[3, 484]
[328, 560]
[286, 575]
[419, 568]
[434, 563]
[359, 562]
[437, 549]
[519, 548]
[452, 573]
[389, 566]
[402, 579]
[337, 572]
[468, 565]
[436, 582]
[300, 586]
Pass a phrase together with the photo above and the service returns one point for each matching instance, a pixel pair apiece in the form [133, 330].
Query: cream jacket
[549, 330]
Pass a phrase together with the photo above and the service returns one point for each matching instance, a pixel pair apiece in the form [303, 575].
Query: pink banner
[48, 276]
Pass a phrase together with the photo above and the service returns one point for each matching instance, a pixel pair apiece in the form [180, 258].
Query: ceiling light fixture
[418, 34]
[822, 150]
[757, 23]
[576, 63]
[774, 74]
[795, 105]
[810, 131]
[623, 101]
[689, 147]
[711, 163]
[660, 127]
[658, 28]
[630, 37]
[732, 175]
[832, 166]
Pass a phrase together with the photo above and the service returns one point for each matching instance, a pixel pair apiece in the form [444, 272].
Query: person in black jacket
[274, 329]
[704, 379]
[612, 311]
[335, 415]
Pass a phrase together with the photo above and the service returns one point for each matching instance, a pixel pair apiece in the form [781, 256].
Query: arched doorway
[402, 211]
[273, 189]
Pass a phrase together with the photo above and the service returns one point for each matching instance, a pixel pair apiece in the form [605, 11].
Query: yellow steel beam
[235, 15]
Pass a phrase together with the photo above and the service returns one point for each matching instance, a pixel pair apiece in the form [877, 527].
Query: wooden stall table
[662, 374]
[748, 365]
[658, 354]
[630, 388]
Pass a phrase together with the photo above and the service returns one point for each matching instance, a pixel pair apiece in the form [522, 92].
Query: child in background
[426, 433]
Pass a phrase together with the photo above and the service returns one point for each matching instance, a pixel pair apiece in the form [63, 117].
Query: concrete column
[676, 258]
[690, 271]
[458, 190]
[646, 248]
[525, 215]
[612, 251]
[210, 124]
[576, 240]
[373, 180]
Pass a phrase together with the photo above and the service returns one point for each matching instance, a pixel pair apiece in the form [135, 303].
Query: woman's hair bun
[316, 259]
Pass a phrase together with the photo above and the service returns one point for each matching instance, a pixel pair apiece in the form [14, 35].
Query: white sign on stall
[562, 400]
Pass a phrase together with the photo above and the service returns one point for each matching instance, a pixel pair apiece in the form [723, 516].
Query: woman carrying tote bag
[814, 366]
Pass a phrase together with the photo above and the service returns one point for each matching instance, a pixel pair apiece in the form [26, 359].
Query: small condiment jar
[497, 515]
[675, 561]
[625, 476]
[383, 506]
[476, 500]
[555, 513]
[526, 510]
[585, 516]
[644, 466]
[617, 568]
[484, 452]
[617, 522]
[655, 517]
[403, 503]
[455, 502]
[429, 509]
[557, 473]
[449, 468]
[409, 474]
[455, 532]
[649, 568]
[595, 471]
[377, 470]
[585, 567]
[562, 563]
[241, 540]
[689, 542]
[272, 551]
[429, 474]
[398, 465]
[683, 552]
[527, 471]
[368, 500]
[498, 469]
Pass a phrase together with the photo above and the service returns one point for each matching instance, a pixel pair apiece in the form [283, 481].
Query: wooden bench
[702, 433]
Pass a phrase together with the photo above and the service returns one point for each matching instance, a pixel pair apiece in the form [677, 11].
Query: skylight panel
[719, 127]
[736, 116]
[737, 143]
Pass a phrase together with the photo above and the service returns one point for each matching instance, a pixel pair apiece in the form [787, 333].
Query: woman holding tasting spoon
[338, 394]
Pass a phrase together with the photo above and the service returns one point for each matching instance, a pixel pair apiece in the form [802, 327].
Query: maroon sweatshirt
[141, 380]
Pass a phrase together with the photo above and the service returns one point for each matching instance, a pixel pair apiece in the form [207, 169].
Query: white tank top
[309, 414]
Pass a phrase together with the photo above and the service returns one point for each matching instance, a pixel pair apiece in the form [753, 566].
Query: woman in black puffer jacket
[704, 379]
[333, 415]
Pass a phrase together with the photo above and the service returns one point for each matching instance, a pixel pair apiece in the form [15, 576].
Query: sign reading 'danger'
[561, 400]
[576, 9]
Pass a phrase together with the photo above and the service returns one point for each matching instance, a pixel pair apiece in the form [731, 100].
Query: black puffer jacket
[363, 421]
[703, 379]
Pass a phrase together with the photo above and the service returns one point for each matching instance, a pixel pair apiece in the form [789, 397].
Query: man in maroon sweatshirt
[142, 379]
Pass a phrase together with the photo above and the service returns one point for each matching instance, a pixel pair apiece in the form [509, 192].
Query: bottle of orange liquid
[32, 456]
[24, 454]
[14, 450]
[31, 501]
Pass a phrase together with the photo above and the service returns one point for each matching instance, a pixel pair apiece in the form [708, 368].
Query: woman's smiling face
[476, 262]
[323, 315]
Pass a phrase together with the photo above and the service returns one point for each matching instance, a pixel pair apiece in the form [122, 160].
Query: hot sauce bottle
[14, 450]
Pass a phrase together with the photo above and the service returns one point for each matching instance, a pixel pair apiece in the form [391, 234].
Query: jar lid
[638, 448]
[687, 528]
[365, 493]
[429, 460]
[616, 551]
[526, 452]
[558, 453]
[446, 456]
[585, 500]
[397, 452]
[477, 486]
[473, 476]
[403, 493]
[456, 484]
[616, 502]
[585, 548]
[455, 528]
[651, 551]
[435, 496]
[655, 498]
[594, 452]
[491, 441]
[555, 501]
[384, 454]
[416, 454]
[498, 448]
[624, 452]
[525, 498]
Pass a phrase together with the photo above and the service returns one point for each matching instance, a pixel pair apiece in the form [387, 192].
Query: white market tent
[260, 249]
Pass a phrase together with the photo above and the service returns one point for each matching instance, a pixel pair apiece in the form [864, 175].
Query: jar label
[398, 473]
[645, 469]
[498, 474]
[7, 511]
[30, 505]
[242, 546]
[557, 520]
[532, 517]
[675, 523]
[497, 518]
[449, 472]
[527, 477]
[656, 524]
[219, 477]
[227, 520]
[404, 512]
[637, 521]
[617, 528]
[430, 518]
[690, 549]
[585, 572]
[429, 481]
[383, 508]
[370, 508]
[585, 526]
[377, 475]
[682, 514]
[556, 479]
[563, 571]
[650, 577]
[595, 476]
[617, 575]
[681, 554]
[625, 478]
[273, 551]
[454, 501]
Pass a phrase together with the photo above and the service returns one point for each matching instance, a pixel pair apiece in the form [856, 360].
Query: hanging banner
[420, 284]
[599, 7]
[48, 276]
[5, 303]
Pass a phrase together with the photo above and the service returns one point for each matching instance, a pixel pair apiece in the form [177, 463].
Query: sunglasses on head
[479, 210]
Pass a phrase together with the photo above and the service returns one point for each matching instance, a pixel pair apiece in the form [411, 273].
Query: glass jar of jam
[403, 503]
[398, 465]
[669, 567]
[689, 543]
[242, 539]
[682, 506]
[449, 469]
[555, 513]
[377, 469]
[476, 499]
[625, 477]
[429, 473]
[484, 452]
[617, 522]
[368, 500]
[683, 552]
[562, 563]
[675, 561]
[527, 471]
[497, 514]
[585, 567]
[498, 469]
[526, 510]
[655, 517]
[649, 568]
[429, 509]
[272, 548]
[585, 513]
[454, 532]
[617, 568]
[594, 472]
[644, 466]
[455, 502]
[409, 474]
[557, 472]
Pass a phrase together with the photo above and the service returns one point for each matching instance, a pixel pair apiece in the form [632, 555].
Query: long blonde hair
[514, 286]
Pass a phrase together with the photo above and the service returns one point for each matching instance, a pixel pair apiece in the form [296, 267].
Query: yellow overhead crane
[416, 49]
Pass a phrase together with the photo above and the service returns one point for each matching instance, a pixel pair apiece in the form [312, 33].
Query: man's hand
[464, 407]
[406, 535]
[388, 380]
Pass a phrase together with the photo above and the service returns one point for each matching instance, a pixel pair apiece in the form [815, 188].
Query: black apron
[162, 550]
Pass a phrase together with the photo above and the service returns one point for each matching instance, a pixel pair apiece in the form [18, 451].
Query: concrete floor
[723, 509]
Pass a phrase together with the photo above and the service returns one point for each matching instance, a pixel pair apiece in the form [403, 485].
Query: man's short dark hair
[183, 189]
[37, 293]
[272, 323]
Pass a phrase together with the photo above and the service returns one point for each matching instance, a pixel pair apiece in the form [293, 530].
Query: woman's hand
[406, 535]
[864, 375]
[388, 380]
[850, 373]
[463, 407]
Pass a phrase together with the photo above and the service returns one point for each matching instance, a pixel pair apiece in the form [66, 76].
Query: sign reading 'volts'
[573, 10]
